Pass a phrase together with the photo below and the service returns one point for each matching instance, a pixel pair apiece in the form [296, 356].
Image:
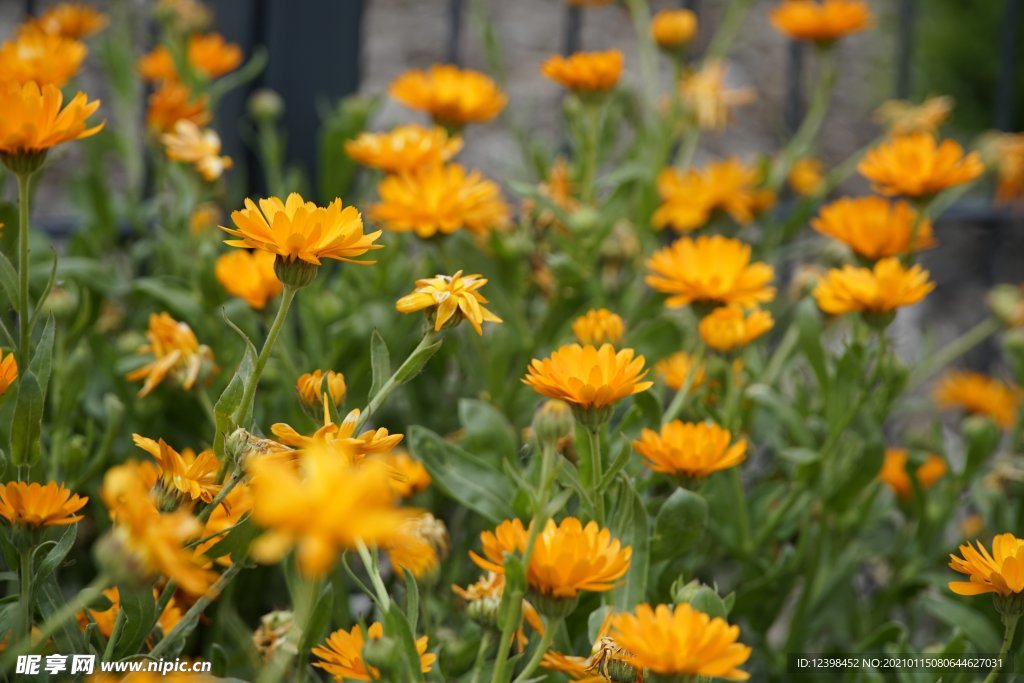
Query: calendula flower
[183, 475]
[187, 15]
[585, 71]
[408, 475]
[249, 275]
[206, 216]
[341, 655]
[711, 269]
[918, 165]
[678, 369]
[673, 28]
[8, 371]
[403, 149]
[190, 144]
[439, 199]
[173, 102]
[297, 230]
[211, 56]
[874, 227]
[70, 20]
[1001, 572]
[449, 299]
[690, 198]
[807, 176]
[572, 666]
[176, 352]
[708, 99]
[979, 394]
[483, 599]
[1006, 151]
[681, 641]
[157, 65]
[342, 437]
[690, 449]
[424, 544]
[38, 505]
[588, 377]
[107, 618]
[452, 96]
[41, 57]
[33, 120]
[901, 117]
[894, 472]
[312, 385]
[598, 326]
[821, 22]
[731, 327]
[884, 288]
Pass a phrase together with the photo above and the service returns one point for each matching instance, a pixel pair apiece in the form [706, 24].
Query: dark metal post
[1007, 64]
[793, 111]
[573, 29]
[455, 8]
[30, 8]
[904, 47]
[691, 5]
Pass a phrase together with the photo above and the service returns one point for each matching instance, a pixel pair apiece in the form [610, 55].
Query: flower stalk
[1009, 630]
[268, 346]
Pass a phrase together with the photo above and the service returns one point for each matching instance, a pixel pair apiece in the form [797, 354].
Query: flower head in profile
[585, 71]
[403, 149]
[894, 472]
[875, 227]
[39, 505]
[690, 198]
[690, 449]
[483, 597]
[341, 655]
[249, 275]
[881, 289]
[678, 369]
[312, 386]
[979, 394]
[432, 200]
[173, 102]
[190, 144]
[408, 475]
[588, 377]
[597, 326]
[33, 120]
[449, 299]
[807, 176]
[918, 165]
[707, 97]
[821, 22]
[673, 28]
[1005, 153]
[341, 437]
[901, 117]
[44, 58]
[1000, 572]
[713, 269]
[211, 56]
[8, 371]
[184, 475]
[452, 96]
[731, 327]
[69, 20]
[176, 353]
[681, 641]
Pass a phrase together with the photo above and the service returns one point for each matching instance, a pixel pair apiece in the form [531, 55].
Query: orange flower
[894, 472]
[70, 20]
[1001, 572]
[424, 544]
[452, 96]
[822, 22]
[598, 326]
[175, 351]
[673, 28]
[157, 65]
[249, 275]
[312, 385]
[588, 377]
[8, 371]
[689, 198]
[201, 148]
[107, 618]
[340, 437]
[403, 149]
[450, 299]
[33, 120]
[172, 102]
[901, 117]
[917, 165]
[211, 56]
[690, 449]
[408, 475]
[41, 57]
[1006, 151]
[585, 71]
[712, 269]
[341, 655]
[183, 475]
[705, 95]
[979, 394]
[807, 177]
[729, 327]
[36, 505]
[881, 289]
[679, 368]
[874, 227]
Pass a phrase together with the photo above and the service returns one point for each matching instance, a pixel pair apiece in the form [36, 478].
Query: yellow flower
[572, 666]
[157, 65]
[673, 28]
[677, 369]
[187, 15]
[8, 371]
[681, 641]
[206, 216]
[36, 505]
[822, 22]
[585, 71]
[184, 474]
[342, 437]
[236, 504]
[711, 269]
[705, 95]
[403, 149]
[901, 117]
[41, 57]
[1000, 572]
[979, 394]
[33, 120]
[175, 351]
[312, 385]
[408, 475]
[729, 327]
[1006, 151]
[70, 20]
[440, 199]
[894, 472]
[211, 56]
[597, 326]
[690, 449]
[452, 96]
[689, 198]
[917, 165]
[874, 227]
[450, 298]
[423, 546]
[172, 102]
[341, 655]
[299, 230]
[807, 176]
[483, 599]
[201, 148]
[588, 377]
[107, 618]
[249, 275]
[881, 289]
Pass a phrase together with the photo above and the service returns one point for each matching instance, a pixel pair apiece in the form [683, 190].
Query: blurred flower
[341, 437]
[483, 599]
[1001, 572]
[449, 300]
[249, 275]
[70, 20]
[689, 198]
[205, 216]
[894, 472]
[681, 641]
[211, 56]
[979, 394]
[822, 22]
[807, 177]
[312, 385]
[176, 352]
[730, 327]
[589, 3]
[33, 120]
[341, 655]
[690, 449]
[886, 287]
[585, 71]
[172, 102]
[902, 117]
[106, 619]
[1005, 152]
[705, 95]
[408, 475]
[572, 666]
[157, 65]
[558, 190]
[183, 475]
[917, 165]
[673, 28]
[588, 377]
[36, 505]
[439, 199]
[597, 326]
[972, 525]
[452, 96]
[423, 545]
[273, 635]
[875, 227]
[403, 149]
[187, 15]
[228, 514]
[8, 371]
[711, 269]
[201, 148]
[676, 370]
[41, 57]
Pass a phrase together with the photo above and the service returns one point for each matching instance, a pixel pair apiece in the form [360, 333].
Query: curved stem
[550, 628]
[398, 378]
[949, 353]
[1010, 622]
[24, 329]
[268, 346]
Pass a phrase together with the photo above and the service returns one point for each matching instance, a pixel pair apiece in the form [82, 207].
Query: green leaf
[595, 621]
[380, 360]
[139, 607]
[706, 600]
[487, 432]
[314, 629]
[46, 566]
[635, 531]
[617, 464]
[782, 409]
[50, 599]
[960, 615]
[414, 363]
[412, 600]
[9, 280]
[182, 303]
[231, 397]
[398, 627]
[680, 523]
[27, 423]
[42, 358]
[808, 322]
[236, 542]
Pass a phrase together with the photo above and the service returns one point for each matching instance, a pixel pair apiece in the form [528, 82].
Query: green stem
[641, 15]
[1010, 622]
[399, 377]
[236, 476]
[24, 329]
[949, 353]
[268, 346]
[373, 570]
[508, 632]
[741, 511]
[591, 144]
[478, 664]
[781, 355]
[550, 628]
[188, 622]
[115, 635]
[25, 599]
[728, 29]
[676, 406]
[594, 441]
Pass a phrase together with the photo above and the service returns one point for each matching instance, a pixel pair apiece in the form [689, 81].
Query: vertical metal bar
[1007, 64]
[455, 11]
[904, 47]
[573, 29]
[793, 111]
[30, 8]
[692, 5]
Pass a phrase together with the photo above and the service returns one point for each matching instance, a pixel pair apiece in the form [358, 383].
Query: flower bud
[266, 106]
[116, 560]
[553, 606]
[553, 421]
[61, 302]
[295, 273]
[585, 220]
[1007, 303]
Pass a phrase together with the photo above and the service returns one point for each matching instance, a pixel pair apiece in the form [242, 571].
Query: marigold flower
[678, 369]
[1006, 151]
[341, 655]
[711, 269]
[979, 394]
[176, 352]
[807, 176]
[917, 165]
[211, 56]
[157, 65]
[894, 472]
[483, 599]
[706, 96]
[730, 327]
[598, 326]
[8, 371]
[371, 442]
[69, 20]
[588, 377]
[690, 449]
[41, 57]
[424, 544]
[901, 117]
[312, 385]
[188, 15]
[450, 298]
[681, 641]
[1001, 572]
[172, 102]
[236, 504]
[185, 474]
[572, 666]
[33, 120]
[822, 22]
[673, 28]
[36, 505]
[884, 288]
[190, 144]
[874, 227]
[689, 198]
[585, 71]
[452, 96]
[408, 475]
[403, 149]
[299, 230]
[439, 199]
[249, 275]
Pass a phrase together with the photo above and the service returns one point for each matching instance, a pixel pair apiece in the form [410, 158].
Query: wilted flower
[901, 117]
[8, 371]
[709, 100]
[690, 198]
[884, 288]
[894, 472]
[585, 72]
[341, 655]
[41, 57]
[807, 176]
[403, 149]
[711, 269]
[688, 449]
[979, 394]
[173, 102]
[183, 475]
[875, 227]
[449, 299]
[33, 120]
[201, 148]
[452, 96]
[673, 28]
[588, 377]
[38, 505]
[483, 599]
[730, 327]
[69, 20]
[249, 275]
[176, 352]
[598, 326]
[678, 369]
[917, 165]
[1001, 572]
